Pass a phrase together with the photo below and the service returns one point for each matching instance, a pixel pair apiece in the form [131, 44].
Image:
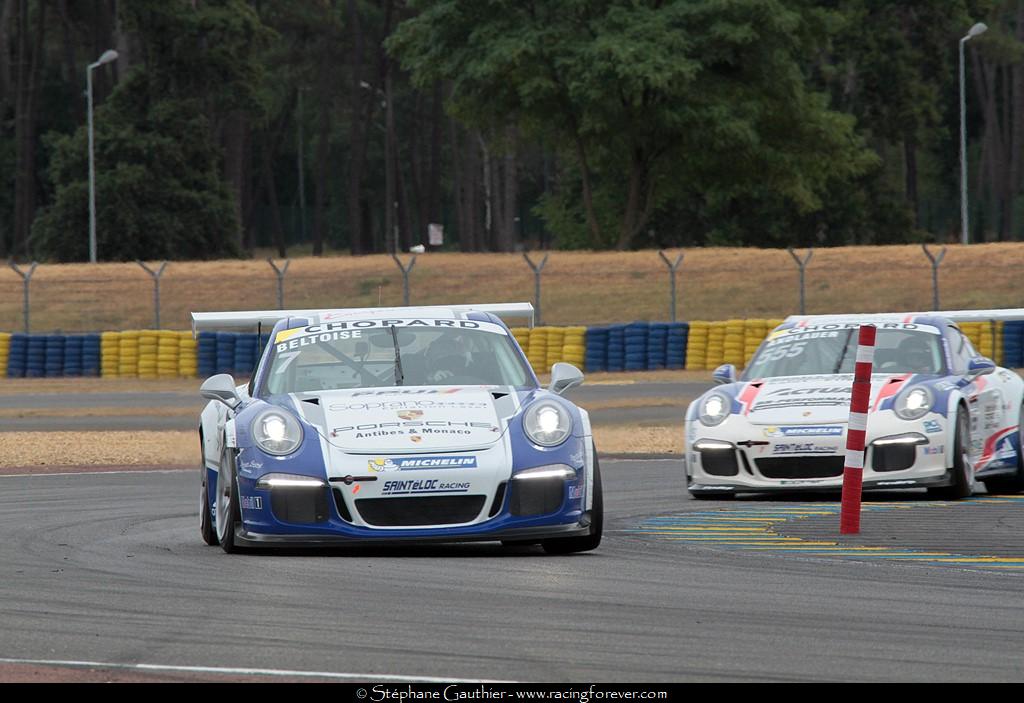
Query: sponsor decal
[385, 429]
[933, 449]
[252, 503]
[803, 448]
[575, 492]
[932, 426]
[412, 405]
[907, 482]
[250, 465]
[405, 322]
[413, 463]
[434, 485]
[410, 414]
[296, 342]
[410, 391]
[813, 390]
[356, 488]
[804, 431]
[801, 482]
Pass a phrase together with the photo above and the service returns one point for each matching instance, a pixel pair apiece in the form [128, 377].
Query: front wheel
[569, 545]
[963, 469]
[227, 503]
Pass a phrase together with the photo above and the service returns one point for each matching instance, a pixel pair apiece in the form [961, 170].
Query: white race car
[941, 415]
[401, 425]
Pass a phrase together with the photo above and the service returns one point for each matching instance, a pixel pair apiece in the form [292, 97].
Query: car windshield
[808, 351]
[384, 353]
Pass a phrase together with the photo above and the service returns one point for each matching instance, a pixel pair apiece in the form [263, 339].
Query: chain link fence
[568, 288]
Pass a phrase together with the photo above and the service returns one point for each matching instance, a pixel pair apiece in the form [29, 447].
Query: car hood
[409, 419]
[810, 399]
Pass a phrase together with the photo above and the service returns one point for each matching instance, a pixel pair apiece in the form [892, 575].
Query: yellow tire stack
[556, 337]
[754, 332]
[574, 346]
[537, 353]
[697, 345]
[188, 355]
[522, 337]
[5, 351]
[716, 344]
[149, 341]
[128, 354]
[733, 345]
[167, 352]
[110, 356]
[997, 353]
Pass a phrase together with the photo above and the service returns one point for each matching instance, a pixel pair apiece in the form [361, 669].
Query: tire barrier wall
[637, 346]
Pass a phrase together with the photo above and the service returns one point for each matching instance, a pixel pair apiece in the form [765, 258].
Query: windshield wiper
[842, 355]
[399, 376]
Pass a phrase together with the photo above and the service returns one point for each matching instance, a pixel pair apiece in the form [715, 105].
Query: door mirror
[726, 373]
[563, 377]
[980, 366]
[222, 389]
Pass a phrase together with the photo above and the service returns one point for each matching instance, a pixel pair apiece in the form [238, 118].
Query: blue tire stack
[636, 346]
[17, 358]
[675, 347]
[596, 349]
[616, 348]
[91, 355]
[72, 362]
[245, 353]
[53, 354]
[1013, 344]
[657, 345]
[206, 354]
[225, 352]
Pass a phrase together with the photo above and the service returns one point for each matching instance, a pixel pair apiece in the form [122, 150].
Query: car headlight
[914, 404]
[714, 409]
[547, 424]
[277, 432]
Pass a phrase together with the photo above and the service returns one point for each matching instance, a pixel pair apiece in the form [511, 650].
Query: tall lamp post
[977, 29]
[108, 56]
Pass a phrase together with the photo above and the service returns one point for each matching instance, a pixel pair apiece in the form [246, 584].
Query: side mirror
[726, 373]
[980, 366]
[563, 377]
[221, 388]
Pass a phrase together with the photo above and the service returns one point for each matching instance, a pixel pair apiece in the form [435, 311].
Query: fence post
[672, 268]
[156, 288]
[537, 268]
[26, 277]
[280, 280]
[802, 264]
[936, 260]
[405, 276]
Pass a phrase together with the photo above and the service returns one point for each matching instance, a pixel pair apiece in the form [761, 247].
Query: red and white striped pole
[853, 471]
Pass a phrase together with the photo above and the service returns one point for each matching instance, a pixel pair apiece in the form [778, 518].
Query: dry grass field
[579, 287]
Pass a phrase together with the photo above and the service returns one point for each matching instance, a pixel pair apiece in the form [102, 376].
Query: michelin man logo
[380, 465]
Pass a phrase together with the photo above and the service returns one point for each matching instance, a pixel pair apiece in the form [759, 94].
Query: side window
[961, 349]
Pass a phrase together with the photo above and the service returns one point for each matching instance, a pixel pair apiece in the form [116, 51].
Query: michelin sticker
[804, 431]
[414, 463]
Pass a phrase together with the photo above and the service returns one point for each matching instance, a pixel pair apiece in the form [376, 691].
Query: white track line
[102, 473]
[244, 671]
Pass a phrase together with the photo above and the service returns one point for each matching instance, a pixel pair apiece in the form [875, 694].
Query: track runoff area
[111, 583]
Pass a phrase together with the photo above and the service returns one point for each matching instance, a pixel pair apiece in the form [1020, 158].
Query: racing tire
[1013, 483]
[570, 545]
[205, 518]
[963, 471]
[228, 513]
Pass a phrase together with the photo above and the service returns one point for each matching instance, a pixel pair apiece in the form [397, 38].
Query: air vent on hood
[312, 401]
[497, 396]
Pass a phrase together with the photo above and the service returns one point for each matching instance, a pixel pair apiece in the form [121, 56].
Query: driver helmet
[915, 355]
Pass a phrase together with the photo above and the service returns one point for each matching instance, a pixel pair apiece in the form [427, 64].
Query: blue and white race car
[401, 425]
[941, 415]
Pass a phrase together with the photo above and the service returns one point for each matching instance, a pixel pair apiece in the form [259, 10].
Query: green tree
[648, 100]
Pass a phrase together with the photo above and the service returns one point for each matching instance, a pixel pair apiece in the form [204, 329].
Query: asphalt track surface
[110, 568]
[683, 392]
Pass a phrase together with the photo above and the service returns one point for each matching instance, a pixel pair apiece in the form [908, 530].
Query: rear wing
[998, 315]
[251, 318]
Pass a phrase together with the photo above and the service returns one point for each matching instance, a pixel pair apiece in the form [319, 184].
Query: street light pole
[108, 56]
[977, 29]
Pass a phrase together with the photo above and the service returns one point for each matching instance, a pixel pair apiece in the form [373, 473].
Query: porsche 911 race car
[401, 425]
[941, 415]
